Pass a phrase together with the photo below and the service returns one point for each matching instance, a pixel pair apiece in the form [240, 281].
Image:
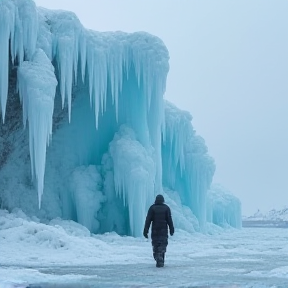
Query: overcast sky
[229, 69]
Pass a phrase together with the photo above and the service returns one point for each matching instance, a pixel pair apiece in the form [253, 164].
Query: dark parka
[160, 216]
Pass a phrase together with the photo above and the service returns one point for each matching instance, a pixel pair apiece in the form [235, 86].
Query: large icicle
[97, 68]
[26, 30]
[37, 87]
[67, 31]
[7, 15]
[19, 25]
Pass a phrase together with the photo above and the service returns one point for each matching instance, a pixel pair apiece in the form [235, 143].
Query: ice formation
[117, 145]
[223, 208]
[187, 167]
[37, 87]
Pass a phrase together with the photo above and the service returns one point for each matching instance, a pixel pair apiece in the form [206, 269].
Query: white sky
[229, 68]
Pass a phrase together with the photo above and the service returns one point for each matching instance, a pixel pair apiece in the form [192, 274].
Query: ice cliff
[116, 142]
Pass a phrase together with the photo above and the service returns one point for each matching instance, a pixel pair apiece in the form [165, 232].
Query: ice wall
[223, 208]
[115, 144]
[187, 167]
[122, 77]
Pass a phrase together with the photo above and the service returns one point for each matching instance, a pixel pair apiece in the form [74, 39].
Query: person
[160, 216]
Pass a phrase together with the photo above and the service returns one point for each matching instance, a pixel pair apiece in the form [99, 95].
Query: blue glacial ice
[116, 142]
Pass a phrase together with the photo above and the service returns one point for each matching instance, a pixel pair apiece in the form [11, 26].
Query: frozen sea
[65, 255]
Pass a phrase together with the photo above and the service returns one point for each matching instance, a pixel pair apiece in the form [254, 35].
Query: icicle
[26, 28]
[67, 32]
[112, 79]
[7, 12]
[102, 90]
[83, 54]
[76, 57]
[97, 55]
[104, 80]
[116, 67]
[19, 24]
[90, 68]
[37, 86]
[4, 66]
[65, 54]
[96, 103]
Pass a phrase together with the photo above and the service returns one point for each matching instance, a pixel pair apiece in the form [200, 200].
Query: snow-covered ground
[64, 254]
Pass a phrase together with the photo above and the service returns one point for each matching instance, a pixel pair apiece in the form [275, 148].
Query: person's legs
[161, 251]
[159, 248]
[155, 251]
[165, 244]
[158, 253]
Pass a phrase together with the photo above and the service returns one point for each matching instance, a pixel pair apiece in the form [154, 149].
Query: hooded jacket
[160, 216]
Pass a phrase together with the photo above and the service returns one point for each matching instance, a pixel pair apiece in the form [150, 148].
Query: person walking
[160, 215]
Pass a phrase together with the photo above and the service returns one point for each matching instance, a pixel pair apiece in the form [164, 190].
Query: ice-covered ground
[64, 254]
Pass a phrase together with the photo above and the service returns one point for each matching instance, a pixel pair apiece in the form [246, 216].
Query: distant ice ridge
[116, 143]
[223, 208]
[272, 215]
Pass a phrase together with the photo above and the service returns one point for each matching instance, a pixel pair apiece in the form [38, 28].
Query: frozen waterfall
[187, 167]
[116, 142]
